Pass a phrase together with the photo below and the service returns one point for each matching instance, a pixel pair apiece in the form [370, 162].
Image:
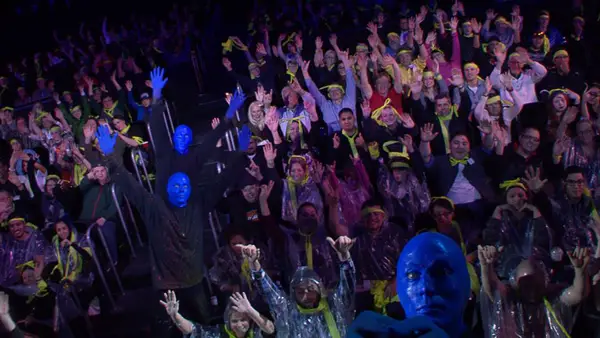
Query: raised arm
[489, 279]
[575, 293]
[241, 304]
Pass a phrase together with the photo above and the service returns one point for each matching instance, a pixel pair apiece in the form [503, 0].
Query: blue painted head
[433, 281]
[182, 138]
[179, 189]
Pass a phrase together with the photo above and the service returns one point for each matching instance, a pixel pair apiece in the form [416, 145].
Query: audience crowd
[369, 125]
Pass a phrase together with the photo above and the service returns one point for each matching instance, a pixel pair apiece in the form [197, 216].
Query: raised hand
[272, 122]
[360, 142]
[579, 257]
[244, 138]
[532, 179]
[407, 141]
[561, 145]
[270, 152]
[265, 191]
[333, 39]
[237, 101]
[431, 38]
[106, 141]
[336, 141]
[250, 252]
[427, 134]
[158, 81]
[171, 304]
[485, 126]
[488, 85]
[506, 80]
[457, 79]
[454, 24]
[342, 246]
[240, 303]
[254, 171]
[128, 85]
[488, 255]
[476, 26]
[365, 106]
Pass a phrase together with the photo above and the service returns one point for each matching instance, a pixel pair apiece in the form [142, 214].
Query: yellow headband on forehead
[437, 50]
[514, 55]
[376, 114]
[16, 219]
[509, 184]
[8, 109]
[361, 47]
[371, 210]
[544, 15]
[13, 141]
[393, 35]
[55, 128]
[399, 164]
[289, 39]
[561, 52]
[443, 198]
[497, 98]
[52, 177]
[332, 86]
[502, 20]
[404, 51]
[471, 64]
[75, 108]
[42, 115]
[467, 23]
[557, 91]
[252, 65]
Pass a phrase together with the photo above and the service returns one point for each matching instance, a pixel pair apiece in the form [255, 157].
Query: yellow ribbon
[558, 53]
[109, 111]
[288, 136]
[370, 210]
[333, 86]
[379, 299]
[292, 184]
[72, 257]
[309, 251]
[553, 315]
[52, 177]
[437, 198]
[376, 114]
[329, 320]
[245, 272]
[351, 141]
[445, 133]
[374, 150]
[496, 98]
[289, 39]
[512, 183]
[395, 154]
[291, 75]
[454, 162]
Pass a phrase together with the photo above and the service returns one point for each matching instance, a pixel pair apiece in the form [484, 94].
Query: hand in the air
[342, 246]
[106, 141]
[158, 81]
[237, 101]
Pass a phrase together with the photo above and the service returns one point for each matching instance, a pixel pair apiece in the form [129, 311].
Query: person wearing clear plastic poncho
[518, 226]
[433, 288]
[299, 188]
[529, 306]
[241, 320]
[309, 311]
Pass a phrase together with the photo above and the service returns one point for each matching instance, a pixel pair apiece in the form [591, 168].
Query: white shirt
[462, 191]
[524, 86]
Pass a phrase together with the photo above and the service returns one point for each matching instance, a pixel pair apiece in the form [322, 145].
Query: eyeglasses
[575, 182]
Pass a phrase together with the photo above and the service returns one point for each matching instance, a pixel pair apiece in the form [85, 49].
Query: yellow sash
[329, 320]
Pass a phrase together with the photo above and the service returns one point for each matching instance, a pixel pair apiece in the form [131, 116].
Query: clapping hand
[106, 141]
[342, 246]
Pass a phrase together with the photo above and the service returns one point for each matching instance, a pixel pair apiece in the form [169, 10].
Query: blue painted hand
[433, 281]
[237, 101]
[182, 138]
[158, 83]
[244, 138]
[179, 189]
[106, 141]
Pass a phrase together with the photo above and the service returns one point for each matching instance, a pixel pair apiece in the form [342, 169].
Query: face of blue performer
[182, 138]
[179, 189]
[433, 281]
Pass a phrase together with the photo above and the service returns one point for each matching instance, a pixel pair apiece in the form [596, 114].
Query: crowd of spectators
[369, 126]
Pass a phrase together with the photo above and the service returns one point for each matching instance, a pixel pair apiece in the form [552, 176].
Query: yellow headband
[55, 128]
[437, 50]
[544, 16]
[371, 210]
[52, 177]
[229, 44]
[252, 65]
[376, 114]
[75, 108]
[514, 55]
[579, 18]
[361, 47]
[502, 20]
[289, 39]
[16, 219]
[444, 198]
[467, 23]
[13, 141]
[404, 51]
[395, 154]
[558, 91]
[42, 115]
[516, 183]
[428, 74]
[8, 109]
[470, 64]
[558, 53]
[393, 35]
[398, 164]
[333, 86]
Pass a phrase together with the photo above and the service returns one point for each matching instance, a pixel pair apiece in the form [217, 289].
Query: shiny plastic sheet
[405, 200]
[376, 256]
[507, 317]
[288, 320]
[308, 192]
[524, 238]
[14, 253]
[575, 156]
[576, 220]
[216, 331]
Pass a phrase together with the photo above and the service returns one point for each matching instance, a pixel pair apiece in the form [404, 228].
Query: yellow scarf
[444, 128]
[74, 265]
[454, 162]
[289, 121]
[246, 273]
[379, 298]
[79, 171]
[292, 184]
[230, 334]
[309, 251]
[351, 141]
[110, 111]
[329, 320]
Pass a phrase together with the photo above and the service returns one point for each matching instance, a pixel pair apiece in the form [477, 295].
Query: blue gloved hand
[371, 324]
[237, 101]
[158, 83]
[106, 141]
[244, 138]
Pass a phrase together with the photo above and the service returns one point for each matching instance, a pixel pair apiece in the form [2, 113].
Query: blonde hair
[260, 123]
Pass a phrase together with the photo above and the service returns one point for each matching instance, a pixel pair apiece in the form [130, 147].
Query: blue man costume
[176, 213]
[433, 287]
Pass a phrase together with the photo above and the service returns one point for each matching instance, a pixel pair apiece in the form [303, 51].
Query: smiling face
[179, 189]
[460, 147]
[516, 197]
[382, 85]
[307, 294]
[297, 171]
[17, 229]
[432, 279]
[62, 230]
[239, 323]
[388, 116]
[559, 103]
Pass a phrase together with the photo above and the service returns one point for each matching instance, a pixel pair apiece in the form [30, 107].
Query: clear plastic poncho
[377, 255]
[289, 319]
[508, 317]
[525, 237]
[576, 220]
[295, 194]
[13, 253]
[406, 200]
[222, 331]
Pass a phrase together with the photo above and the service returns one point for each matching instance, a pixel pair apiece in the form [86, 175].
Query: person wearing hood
[309, 311]
[241, 320]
